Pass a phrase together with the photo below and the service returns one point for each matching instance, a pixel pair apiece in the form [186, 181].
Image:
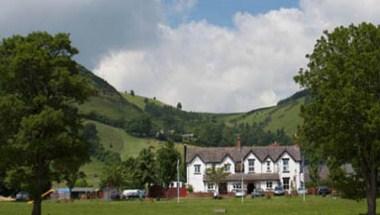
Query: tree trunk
[71, 193]
[37, 205]
[371, 191]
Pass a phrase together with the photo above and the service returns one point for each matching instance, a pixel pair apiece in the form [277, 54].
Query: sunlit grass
[280, 205]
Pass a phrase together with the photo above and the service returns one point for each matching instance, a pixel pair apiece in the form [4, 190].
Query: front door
[223, 188]
[250, 188]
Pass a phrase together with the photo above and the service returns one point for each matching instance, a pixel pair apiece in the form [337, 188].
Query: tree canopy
[342, 117]
[40, 126]
[216, 175]
[167, 157]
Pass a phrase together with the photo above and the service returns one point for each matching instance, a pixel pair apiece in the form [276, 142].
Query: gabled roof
[217, 154]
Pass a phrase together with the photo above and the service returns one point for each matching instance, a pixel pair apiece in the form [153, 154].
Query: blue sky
[220, 12]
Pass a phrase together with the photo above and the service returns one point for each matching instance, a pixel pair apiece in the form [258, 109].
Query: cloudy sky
[211, 55]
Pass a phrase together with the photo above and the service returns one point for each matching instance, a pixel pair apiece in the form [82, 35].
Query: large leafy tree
[146, 168]
[167, 157]
[114, 176]
[40, 126]
[342, 117]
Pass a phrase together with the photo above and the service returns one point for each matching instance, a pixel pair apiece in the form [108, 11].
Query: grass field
[279, 205]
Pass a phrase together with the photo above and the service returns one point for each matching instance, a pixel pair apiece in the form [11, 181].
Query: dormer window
[251, 165]
[268, 166]
[227, 167]
[197, 169]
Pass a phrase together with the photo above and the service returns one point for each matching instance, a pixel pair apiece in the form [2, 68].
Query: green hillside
[140, 101]
[283, 116]
[117, 140]
[107, 103]
[112, 112]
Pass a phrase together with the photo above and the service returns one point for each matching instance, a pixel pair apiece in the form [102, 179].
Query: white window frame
[269, 184]
[197, 169]
[286, 186]
[251, 166]
[285, 167]
[227, 167]
[237, 186]
[268, 162]
[210, 187]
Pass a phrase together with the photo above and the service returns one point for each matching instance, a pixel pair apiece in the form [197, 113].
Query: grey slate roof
[217, 154]
[250, 177]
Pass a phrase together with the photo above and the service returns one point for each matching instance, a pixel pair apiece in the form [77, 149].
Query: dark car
[115, 195]
[257, 192]
[22, 196]
[323, 191]
[278, 191]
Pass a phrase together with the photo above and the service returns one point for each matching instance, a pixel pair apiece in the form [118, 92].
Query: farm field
[278, 205]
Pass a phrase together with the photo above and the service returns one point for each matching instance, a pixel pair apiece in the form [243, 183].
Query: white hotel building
[257, 166]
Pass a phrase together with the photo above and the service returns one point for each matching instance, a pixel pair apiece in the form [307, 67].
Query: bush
[190, 189]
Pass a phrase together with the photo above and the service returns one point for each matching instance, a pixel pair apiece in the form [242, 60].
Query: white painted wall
[227, 160]
[294, 170]
[258, 165]
[196, 180]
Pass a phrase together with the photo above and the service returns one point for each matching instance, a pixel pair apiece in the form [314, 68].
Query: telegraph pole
[242, 182]
[177, 180]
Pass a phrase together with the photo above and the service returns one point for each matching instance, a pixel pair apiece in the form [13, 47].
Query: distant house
[257, 167]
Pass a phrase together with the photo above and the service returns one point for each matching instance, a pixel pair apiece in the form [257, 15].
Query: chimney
[274, 144]
[238, 144]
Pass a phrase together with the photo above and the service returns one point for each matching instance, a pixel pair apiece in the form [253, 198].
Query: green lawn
[280, 206]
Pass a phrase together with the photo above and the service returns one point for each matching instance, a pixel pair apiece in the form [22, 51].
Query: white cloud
[180, 6]
[206, 67]
[212, 68]
[209, 68]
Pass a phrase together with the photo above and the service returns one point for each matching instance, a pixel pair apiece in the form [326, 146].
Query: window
[239, 167]
[197, 169]
[237, 186]
[210, 187]
[251, 165]
[285, 182]
[268, 166]
[227, 167]
[285, 165]
[269, 184]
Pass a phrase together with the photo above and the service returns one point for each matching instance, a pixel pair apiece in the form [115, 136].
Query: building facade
[248, 168]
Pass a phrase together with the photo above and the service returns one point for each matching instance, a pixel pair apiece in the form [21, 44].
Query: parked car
[136, 193]
[22, 196]
[323, 190]
[258, 192]
[239, 193]
[278, 191]
[115, 195]
[301, 191]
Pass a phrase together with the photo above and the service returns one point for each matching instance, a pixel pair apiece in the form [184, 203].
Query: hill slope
[108, 102]
[111, 111]
[282, 116]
